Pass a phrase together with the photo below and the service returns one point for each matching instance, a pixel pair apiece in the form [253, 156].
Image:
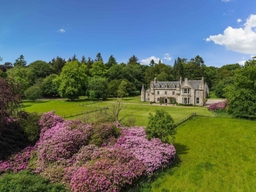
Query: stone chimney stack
[180, 80]
[203, 80]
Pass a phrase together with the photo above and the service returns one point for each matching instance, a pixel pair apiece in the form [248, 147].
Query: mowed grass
[139, 110]
[216, 154]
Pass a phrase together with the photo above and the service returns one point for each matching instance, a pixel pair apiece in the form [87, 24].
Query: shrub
[160, 125]
[111, 169]
[217, 106]
[61, 142]
[33, 93]
[26, 181]
[29, 124]
[17, 162]
[104, 134]
[153, 154]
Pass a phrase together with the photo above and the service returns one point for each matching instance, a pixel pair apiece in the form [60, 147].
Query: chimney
[180, 80]
[202, 80]
[186, 80]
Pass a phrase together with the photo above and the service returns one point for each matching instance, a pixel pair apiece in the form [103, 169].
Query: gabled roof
[174, 84]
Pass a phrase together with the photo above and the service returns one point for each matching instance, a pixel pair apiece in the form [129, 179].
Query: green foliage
[49, 88]
[27, 182]
[99, 87]
[98, 69]
[20, 62]
[40, 69]
[29, 124]
[72, 80]
[22, 75]
[33, 93]
[241, 95]
[160, 125]
[122, 88]
[111, 62]
[112, 87]
[104, 134]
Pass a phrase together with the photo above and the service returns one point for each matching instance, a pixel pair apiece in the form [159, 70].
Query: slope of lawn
[139, 110]
[216, 154]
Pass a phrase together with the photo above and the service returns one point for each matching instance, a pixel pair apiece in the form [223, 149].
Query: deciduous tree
[72, 80]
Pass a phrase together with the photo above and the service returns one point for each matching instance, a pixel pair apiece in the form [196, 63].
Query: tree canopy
[72, 80]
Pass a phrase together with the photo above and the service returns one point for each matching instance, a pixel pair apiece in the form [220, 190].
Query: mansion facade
[187, 92]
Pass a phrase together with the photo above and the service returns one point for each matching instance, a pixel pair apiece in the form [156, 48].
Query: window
[185, 90]
[173, 92]
[157, 92]
[197, 100]
[186, 101]
[165, 92]
[158, 99]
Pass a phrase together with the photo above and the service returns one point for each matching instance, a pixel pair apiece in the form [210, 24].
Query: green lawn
[140, 110]
[216, 154]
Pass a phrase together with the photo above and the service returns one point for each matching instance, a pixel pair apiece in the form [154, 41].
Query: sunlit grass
[139, 110]
[216, 154]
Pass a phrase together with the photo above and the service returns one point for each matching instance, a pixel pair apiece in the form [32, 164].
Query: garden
[209, 153]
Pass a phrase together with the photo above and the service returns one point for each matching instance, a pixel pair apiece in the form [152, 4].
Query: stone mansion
[187, 92]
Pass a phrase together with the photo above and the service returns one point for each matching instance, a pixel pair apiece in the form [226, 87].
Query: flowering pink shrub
[64, 154]
[49, 120]
[17, 162]
[61, 142]
[217, 106]
[154, 154]
[111, 169]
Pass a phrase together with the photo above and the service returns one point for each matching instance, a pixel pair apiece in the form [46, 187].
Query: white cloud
[225, 0]
[147, 60]
[61, 30]
[242, 40]
[241, 62]
[239, 20]
[167, 57]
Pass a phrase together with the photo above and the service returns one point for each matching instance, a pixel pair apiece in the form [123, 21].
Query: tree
[72, 80]
[123, 88]
[57, 64]
[40, 69]
[99, 57]
[22, 75]
[113, 87]
[49, 88]
[111, 62]
[152, 63]
[20, 62]
[98, 69]
[10, 99]
[33, 93]
[161, 125]
[98, 87]
[241, 95]
[133, 60]
[178, 68]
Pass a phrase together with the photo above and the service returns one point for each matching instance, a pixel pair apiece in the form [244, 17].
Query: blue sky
[220, 31]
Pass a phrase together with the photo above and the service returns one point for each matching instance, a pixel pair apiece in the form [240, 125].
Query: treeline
[98, 79]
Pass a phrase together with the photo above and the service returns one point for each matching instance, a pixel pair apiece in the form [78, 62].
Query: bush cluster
[66, 153]
[217, 106]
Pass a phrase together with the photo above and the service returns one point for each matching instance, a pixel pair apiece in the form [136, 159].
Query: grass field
[216, 154]
[140, 110]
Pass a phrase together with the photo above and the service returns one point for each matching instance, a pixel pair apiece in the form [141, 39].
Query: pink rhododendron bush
[87, 158]
[217, 106]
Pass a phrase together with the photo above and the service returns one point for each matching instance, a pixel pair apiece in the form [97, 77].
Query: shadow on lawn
[180, 148]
